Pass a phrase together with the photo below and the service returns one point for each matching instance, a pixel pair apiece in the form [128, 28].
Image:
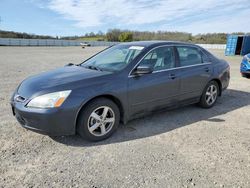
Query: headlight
[49, 100]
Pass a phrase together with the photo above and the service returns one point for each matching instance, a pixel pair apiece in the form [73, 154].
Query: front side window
[189, 56]
[160, 58]
[113, 59]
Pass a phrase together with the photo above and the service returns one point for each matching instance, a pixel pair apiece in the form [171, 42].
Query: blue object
[231, 45]
[245, 66]
[237, 45]
[245, 45]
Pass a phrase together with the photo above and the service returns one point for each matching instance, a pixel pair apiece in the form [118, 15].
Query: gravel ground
[186, 147]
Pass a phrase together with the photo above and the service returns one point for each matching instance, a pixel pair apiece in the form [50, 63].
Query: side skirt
[167, 108]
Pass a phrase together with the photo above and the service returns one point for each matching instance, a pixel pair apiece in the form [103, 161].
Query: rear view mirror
[143, 69]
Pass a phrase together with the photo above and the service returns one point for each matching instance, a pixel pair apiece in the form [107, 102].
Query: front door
[149, 92]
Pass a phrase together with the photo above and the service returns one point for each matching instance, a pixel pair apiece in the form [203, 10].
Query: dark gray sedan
[118, 84]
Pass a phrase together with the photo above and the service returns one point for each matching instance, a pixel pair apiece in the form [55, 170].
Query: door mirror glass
[143, 69]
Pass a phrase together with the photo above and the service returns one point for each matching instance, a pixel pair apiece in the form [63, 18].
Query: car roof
[156, 43]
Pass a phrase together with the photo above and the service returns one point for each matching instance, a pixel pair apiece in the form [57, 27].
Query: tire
[245, 75]
[93, 124]
[211, 87]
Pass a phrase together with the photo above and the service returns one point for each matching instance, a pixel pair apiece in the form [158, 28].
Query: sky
[77, 17]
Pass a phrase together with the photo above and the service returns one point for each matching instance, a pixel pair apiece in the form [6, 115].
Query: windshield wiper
[93, 67]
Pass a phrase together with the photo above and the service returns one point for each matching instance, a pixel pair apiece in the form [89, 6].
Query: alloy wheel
[101, 121]
[211, 94]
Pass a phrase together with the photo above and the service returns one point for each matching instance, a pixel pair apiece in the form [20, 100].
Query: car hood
[57, 80]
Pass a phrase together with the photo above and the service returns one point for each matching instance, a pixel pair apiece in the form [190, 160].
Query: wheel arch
[107, 96]
[219, 84]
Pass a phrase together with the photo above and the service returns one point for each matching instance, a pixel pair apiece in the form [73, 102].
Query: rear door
[158, 89]
[195, 71]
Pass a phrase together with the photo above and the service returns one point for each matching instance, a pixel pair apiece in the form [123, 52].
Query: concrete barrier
[54, 42]
[50, 42]
[213, 46]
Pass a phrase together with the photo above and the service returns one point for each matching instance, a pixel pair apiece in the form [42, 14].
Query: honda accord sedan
[120, 83]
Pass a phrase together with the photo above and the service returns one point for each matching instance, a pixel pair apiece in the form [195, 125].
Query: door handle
[172, 76]
[207, 69]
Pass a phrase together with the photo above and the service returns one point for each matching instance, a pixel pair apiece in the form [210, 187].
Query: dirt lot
[184, 147]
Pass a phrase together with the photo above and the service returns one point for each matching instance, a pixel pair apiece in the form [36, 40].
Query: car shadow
[163, 122]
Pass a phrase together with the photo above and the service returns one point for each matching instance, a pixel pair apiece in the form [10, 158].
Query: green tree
[126, 37]
[113, 35]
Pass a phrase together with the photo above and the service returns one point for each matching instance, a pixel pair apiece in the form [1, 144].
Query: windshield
[113, 59]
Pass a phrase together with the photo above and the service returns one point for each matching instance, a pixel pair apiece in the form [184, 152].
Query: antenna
[0, 21]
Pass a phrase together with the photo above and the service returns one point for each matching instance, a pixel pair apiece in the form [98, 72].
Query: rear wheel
[99, 119]
[209, 95]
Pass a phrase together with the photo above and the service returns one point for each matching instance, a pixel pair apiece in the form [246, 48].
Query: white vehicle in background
[84, 44]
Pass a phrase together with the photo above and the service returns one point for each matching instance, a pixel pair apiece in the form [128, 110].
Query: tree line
[12, 34]
[208, 38]
[128, 35]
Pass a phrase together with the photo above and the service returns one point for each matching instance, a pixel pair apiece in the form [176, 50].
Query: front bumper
[53, 122]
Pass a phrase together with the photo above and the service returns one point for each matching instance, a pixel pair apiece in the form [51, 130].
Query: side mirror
[143, 69]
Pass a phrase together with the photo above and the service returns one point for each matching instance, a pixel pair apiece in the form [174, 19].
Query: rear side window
[189, 56]
[206, 56]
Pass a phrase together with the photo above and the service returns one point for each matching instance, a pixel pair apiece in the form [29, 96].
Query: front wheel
[209, 95]
[98, 120]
